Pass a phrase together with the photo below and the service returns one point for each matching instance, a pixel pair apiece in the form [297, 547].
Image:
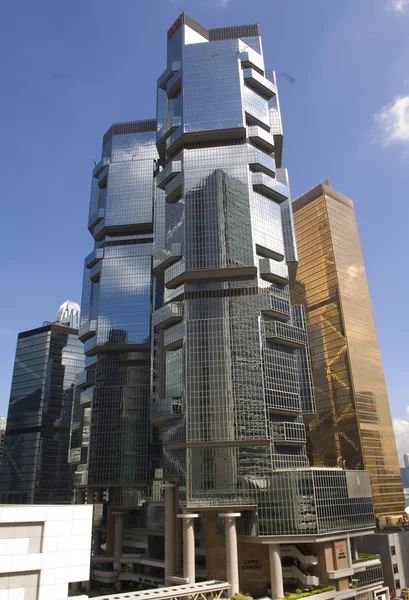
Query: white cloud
[398, 5]
[224, 3]
[393, 120]
[401, 429]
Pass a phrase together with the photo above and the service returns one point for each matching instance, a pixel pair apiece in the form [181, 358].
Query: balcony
[174, 140]
[280, 308]
[259, 83]
[173, 190]
[166, 75]
[252, 59]
[95, 218]
[269, 187]
[90, 346]
[281, 403]
[260, 162]
[174, 274]
[284, 334]
[94, 257]
[165, 258]
[85, 378]
[87, 330]
[166, 409]
[261, 137]
[170, 126]
[98, 169]
[287, 433]
[177, 274]
[174, 84]
[94, 272]
[168, 315]
[272, 270]
[174, 336]
[168, 173]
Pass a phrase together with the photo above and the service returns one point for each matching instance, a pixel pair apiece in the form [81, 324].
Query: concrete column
[170, 527]
[354, 549]
[349, 553]
[119, 534]
[276, 571]
[96, 542]
[98, 496]
[232, 559]
[189, 567]
[79, 496]
[178, 542]
[75, 587]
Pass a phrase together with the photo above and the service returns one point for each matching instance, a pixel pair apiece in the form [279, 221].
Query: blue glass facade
[113, 391]
[34, 467]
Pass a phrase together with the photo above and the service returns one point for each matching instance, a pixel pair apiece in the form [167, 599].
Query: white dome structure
[69, 314]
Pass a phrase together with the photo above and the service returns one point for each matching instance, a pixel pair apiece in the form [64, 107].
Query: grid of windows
[231, 371]
[34, 467]
[111, 432]
[353, 416]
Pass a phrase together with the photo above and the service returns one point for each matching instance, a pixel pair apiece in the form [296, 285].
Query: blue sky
[70, 69]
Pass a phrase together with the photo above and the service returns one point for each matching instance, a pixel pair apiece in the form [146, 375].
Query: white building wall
[43, 549]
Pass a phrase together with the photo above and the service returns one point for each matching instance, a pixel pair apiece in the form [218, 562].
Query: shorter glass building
[34, 468]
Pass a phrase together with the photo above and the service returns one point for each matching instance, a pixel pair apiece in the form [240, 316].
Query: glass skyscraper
[115, 321]
[353, 419]
[232, 375]
[34, 468]
[197, 376]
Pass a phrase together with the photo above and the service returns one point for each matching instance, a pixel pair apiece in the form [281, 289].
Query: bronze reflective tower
[353, 418]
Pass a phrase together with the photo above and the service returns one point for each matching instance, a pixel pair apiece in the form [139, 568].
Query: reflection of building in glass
[113, 390]
[231, 375]
[34, 467]
[202, 191]
[353, 418]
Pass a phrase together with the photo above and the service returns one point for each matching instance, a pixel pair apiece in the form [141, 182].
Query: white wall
[42, 549]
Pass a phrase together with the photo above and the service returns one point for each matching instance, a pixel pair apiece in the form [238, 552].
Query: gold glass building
[353, 419]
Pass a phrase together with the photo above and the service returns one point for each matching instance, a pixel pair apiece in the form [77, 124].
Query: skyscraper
[34, 467]
[116, 308]
[231, 373]
[353, 421]
[200, 196]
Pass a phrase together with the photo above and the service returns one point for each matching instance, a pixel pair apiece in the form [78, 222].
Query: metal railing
[195, 591]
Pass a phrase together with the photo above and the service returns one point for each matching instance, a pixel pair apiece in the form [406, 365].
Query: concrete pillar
[349, 553]
[354, 549]
[232, 559]
[276, 571]
[79, 496]
[119, 534]
[170, 527]
[178, 542]
[96, 542]
[75, 587]
[98, 496]
[189, 567]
